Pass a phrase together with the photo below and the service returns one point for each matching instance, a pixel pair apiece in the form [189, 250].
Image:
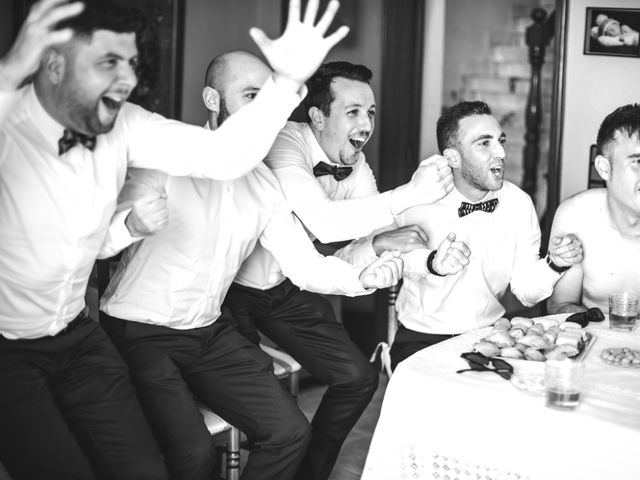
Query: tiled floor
[354, 451]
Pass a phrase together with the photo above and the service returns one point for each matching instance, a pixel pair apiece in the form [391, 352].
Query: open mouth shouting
[113, 102]
[497, 171]
[358, 140]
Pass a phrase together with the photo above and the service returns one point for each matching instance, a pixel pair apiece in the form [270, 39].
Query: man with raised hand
[607, 221]
[164, 304]
[495, 220]
[332, 190]
[66, 140]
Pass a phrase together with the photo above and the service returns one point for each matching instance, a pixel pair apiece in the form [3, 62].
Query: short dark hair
[112, 15]
[319, 85]
[625, 119]
[449, 122]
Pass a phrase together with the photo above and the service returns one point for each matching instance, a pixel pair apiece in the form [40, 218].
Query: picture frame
[612, 31]
[160, 46]
[595, 180]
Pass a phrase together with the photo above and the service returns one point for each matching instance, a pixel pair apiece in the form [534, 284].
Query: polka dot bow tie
[467, 208]
[339, 173]
[70, 139]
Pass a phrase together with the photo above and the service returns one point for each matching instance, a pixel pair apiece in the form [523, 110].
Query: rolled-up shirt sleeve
[328, 220]
[286, 239]
[118, 236]
[140, 182]
[531, 279]
[228, 152]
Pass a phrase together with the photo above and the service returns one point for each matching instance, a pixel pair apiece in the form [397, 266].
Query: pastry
[521, 321]
[502, 324]
[516, 333]
[533, 354]
[533, 340]
[511, 352]
[486, 348]
[500, 338]
[556, 354]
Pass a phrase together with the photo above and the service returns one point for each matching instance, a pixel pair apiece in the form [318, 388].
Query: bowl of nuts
[621, 357]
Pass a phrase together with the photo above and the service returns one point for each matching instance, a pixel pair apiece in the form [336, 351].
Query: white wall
[213, 27]
[432, 69]
[595, 86]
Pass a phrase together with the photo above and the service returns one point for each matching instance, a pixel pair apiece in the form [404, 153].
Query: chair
[284, 368]
[384, 348]
[215, 424]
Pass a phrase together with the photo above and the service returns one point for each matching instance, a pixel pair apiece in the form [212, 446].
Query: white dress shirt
[330, 210]
[180, 276]
[504, 251]
[55, 210]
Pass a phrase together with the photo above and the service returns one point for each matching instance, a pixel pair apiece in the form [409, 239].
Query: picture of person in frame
[613, 31]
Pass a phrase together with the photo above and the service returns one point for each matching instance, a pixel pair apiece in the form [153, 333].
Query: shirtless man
[606, 220]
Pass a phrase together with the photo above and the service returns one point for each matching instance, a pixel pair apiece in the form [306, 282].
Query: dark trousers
[68, 410]
[304, 325]
[221, 369]
[407, 342]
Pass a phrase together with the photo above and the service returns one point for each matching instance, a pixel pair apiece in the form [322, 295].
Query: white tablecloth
[437, 424]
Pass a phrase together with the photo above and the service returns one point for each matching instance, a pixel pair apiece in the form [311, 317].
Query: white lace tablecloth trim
[444, 467]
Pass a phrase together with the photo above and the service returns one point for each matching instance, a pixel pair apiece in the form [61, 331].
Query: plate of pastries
[535, 339]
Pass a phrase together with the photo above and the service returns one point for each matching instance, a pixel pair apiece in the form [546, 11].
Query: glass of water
[623, 310]
[563, 383]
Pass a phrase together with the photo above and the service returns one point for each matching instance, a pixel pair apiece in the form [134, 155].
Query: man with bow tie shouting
[332, 190]
[67, 137]
[498, 223]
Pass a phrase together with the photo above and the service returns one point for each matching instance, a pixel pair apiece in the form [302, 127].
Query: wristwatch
[555, 267]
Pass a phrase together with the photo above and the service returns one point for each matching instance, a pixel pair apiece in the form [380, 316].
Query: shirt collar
[456, 198]
[317, 153]
[45, 124]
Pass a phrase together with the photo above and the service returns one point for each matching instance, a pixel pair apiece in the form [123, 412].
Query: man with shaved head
[164, 308]
[233, 80]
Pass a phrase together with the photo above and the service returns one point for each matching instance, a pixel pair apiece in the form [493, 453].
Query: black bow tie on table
[70, 139]
[467, 208]
[339, 173]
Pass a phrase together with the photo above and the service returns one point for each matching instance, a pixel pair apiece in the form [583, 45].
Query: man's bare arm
[567, 294]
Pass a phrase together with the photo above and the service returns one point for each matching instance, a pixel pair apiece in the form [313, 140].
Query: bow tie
[70, 139]
[339, 173]
[467, 208]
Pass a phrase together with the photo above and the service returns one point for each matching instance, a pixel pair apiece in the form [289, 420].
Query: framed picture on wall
[160, 48]
[595, 180]
[612, 31]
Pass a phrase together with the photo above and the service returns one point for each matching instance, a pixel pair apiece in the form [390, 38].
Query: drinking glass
[563, 383]
[623, 310]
